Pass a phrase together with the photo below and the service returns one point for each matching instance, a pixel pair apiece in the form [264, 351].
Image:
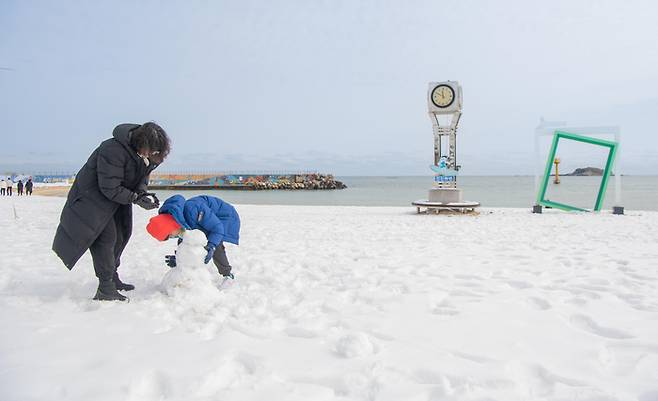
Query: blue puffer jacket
[217, 219]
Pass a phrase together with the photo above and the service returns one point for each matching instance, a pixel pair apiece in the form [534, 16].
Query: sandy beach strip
[52, 190]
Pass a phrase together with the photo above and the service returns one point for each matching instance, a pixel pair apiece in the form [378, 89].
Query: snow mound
[354, 345]
[191, 279]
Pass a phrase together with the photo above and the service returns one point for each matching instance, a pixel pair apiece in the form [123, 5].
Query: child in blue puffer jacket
[218, 220]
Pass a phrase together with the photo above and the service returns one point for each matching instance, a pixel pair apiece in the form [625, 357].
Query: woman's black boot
[107, 291]
[121, 286]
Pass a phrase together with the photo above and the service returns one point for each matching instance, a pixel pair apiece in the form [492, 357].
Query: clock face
[443, 96]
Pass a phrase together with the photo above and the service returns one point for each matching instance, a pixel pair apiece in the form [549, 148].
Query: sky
[337, 86]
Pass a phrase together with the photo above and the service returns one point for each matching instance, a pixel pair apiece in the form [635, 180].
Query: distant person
[217, 219]
[28, 187]
[97, 215]
[19, 187]
[10, 185]
[3, 187]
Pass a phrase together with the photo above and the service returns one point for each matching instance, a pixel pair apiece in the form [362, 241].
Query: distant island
[587, 172]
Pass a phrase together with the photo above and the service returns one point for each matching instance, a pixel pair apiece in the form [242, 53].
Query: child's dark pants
[221, 261]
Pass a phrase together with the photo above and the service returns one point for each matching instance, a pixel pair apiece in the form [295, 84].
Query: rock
[587, 171]
[298, 182]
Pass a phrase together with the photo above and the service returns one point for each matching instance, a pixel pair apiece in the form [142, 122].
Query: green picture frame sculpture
[612, 153]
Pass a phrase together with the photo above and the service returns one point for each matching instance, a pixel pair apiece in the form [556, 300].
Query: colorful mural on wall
[53, 178]
[246, 181]
[222, 181]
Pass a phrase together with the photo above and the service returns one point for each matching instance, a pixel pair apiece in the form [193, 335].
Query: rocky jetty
[299, 182]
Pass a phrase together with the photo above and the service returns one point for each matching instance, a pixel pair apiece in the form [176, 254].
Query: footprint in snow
[519, 284]
[300, 332]
[468, 277]
[428, 376]
[539, 303]
[586, 323]
[535, 380]
[445, 311]
[232, 371]
[152, 386]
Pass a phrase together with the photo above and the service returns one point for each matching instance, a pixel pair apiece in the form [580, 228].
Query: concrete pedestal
[445, 195]
[445, 199]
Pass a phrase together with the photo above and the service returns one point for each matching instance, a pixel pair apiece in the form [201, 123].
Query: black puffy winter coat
[102, 188]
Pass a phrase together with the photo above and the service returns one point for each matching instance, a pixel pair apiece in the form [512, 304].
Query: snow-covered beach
[341, 303]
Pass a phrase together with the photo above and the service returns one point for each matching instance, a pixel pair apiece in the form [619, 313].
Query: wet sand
[52, 191]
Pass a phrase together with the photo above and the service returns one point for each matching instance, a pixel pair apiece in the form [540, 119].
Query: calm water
[638, 192]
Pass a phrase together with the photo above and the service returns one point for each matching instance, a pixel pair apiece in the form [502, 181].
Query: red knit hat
[162, 225]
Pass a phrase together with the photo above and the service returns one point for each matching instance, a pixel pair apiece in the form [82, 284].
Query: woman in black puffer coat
[98, 211]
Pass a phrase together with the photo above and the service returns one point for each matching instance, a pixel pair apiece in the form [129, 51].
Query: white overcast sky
[336, 85]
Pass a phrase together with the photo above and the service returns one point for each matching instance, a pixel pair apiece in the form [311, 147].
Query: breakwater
[302, 181]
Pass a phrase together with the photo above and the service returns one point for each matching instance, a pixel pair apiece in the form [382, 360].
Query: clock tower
[444, 103]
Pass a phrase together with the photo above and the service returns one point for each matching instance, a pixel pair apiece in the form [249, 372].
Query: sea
[637, 192]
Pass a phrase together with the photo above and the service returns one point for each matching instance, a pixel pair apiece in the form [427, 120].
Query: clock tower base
[445, 195]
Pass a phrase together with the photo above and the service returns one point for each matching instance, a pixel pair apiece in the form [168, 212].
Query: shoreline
[637, 194]
[62, 192]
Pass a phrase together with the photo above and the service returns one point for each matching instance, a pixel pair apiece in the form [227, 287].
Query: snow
[341, 303]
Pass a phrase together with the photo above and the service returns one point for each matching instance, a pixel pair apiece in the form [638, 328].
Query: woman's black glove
[146, 200]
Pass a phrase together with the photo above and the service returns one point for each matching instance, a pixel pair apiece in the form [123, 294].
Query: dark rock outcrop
[586, 171]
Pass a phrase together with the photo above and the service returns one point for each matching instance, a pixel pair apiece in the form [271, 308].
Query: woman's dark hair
[152, 138]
